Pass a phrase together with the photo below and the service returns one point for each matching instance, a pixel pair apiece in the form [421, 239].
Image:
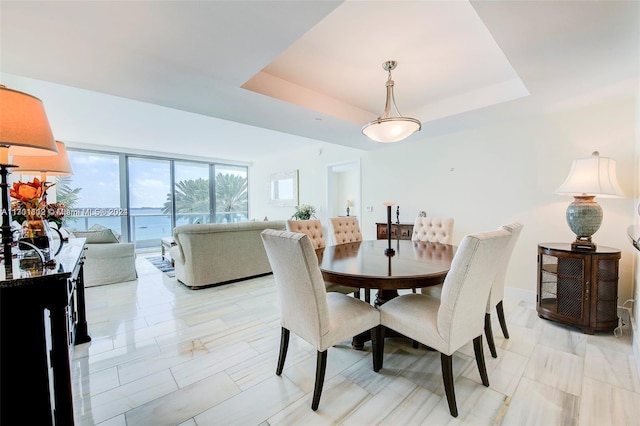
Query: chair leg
[321, 367]
[488, 332]
[447, 377]
[377, 347]
[367, 295]
[284, 345]
[356, 294]
[503, 323]
[482, 368]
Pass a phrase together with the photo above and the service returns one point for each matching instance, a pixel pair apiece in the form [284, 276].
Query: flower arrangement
[29, 202]
[304, 212]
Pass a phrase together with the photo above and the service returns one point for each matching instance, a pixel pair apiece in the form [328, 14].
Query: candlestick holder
[389, 251]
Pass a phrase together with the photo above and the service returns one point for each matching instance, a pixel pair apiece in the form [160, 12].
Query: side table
[167, 243]
[405, 231]
[578, 287]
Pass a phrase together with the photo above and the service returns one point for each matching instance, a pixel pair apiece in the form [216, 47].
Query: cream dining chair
[313, 229]
[322, 319]
[497, 289]
[456, 318]
[346, 229]
[433, 230]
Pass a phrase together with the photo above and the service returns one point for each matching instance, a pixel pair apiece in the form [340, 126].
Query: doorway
[343, 189]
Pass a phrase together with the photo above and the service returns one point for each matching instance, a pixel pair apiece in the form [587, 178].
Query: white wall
[486, 177]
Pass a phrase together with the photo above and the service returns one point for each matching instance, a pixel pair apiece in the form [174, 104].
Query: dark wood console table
[42, 316]
[578, 287]
[405, 229]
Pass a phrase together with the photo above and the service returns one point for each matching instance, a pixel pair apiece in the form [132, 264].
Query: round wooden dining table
[366, 265]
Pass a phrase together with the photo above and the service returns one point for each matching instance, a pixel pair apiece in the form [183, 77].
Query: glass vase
[36, 234]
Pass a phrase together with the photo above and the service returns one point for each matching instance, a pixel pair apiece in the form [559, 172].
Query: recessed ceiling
[448, 62]
[214, 74]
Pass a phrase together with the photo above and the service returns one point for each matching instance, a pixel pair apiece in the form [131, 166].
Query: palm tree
[67, 196]
[231, 194]
[192, 196]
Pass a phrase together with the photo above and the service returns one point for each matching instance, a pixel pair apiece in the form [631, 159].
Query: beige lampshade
[592, 176]
[24, 127]
[57, 165]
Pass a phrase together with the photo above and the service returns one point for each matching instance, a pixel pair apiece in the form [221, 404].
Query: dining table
[370, 264]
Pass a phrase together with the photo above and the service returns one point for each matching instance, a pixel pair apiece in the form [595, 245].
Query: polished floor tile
[163, 354]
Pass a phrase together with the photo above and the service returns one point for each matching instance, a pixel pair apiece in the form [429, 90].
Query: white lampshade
[592, 176]
[24, 127]
[50, 164]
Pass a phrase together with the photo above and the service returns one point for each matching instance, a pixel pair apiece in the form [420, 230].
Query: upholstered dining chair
[313, 229]
[346, 229]
[497, 289]
[320, 318]
[433, 230]
[451, 321]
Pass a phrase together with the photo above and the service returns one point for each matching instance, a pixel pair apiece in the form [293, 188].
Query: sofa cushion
[103, 236]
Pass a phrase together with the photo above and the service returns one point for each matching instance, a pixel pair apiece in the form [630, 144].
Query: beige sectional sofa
[216, 253]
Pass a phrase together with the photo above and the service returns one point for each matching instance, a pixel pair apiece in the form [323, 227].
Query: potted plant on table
[304, 212]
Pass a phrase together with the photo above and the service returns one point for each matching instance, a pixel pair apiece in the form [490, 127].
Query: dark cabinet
[402, 231]
[42, 316]
[578, 287]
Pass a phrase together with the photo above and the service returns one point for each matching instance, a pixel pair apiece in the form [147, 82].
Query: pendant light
[390, 128]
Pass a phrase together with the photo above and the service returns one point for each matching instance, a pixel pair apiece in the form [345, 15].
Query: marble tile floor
[162, 354]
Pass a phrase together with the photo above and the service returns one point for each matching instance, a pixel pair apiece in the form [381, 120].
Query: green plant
[304, 212]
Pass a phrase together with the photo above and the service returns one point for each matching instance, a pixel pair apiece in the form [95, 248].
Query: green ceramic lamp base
[584, 216]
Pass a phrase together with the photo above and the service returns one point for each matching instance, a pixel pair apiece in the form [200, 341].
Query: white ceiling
[314, 68]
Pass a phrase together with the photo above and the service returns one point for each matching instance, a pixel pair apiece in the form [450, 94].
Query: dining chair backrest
[346, 229]
[466, 287]
[433, 229]
[300, 287]
[497, 290]
[311, 227]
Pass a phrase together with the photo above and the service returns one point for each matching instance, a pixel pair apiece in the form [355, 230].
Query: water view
[147, 225]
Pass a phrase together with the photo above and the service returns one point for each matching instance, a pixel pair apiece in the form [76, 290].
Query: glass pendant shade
[392, 129]
[389, 127]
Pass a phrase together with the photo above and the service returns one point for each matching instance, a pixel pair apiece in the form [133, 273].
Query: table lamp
[588, 178]
[25, 131]
[56, 165]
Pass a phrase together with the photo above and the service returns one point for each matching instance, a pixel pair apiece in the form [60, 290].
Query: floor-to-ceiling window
[143, 198]
[92, 193]
[231, 193]
[192, 193]
[149, 186]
